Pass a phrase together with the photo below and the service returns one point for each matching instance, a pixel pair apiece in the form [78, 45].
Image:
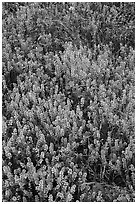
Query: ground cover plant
[68, 102]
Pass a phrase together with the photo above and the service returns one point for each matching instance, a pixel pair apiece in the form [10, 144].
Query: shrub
[68, 102]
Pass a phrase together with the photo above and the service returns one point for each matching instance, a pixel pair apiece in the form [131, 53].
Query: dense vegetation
[68, 101]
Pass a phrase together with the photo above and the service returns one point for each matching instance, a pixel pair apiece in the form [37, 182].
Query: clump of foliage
[68, 102]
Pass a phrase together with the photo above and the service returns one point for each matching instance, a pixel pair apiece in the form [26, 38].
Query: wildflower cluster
[68, 102]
